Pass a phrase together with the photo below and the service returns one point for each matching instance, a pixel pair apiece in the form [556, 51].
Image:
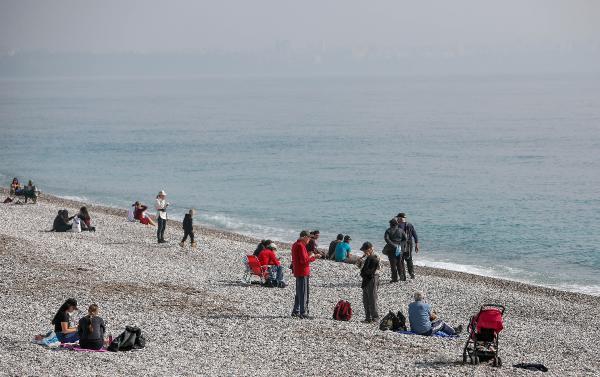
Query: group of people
[139, 212]
[28, 192]
[401, 240]
[266, 252]
[89, 331]
[82, 221]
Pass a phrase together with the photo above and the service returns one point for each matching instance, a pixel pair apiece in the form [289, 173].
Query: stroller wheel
[499, 361]
[464, 358]
[495, 362]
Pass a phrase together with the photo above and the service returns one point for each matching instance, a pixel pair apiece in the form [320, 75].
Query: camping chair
[253, 268]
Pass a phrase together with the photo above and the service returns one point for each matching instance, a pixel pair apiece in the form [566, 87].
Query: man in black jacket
[411, 239]
[370, 282]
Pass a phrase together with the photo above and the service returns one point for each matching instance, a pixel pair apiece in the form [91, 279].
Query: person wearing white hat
[161, 215]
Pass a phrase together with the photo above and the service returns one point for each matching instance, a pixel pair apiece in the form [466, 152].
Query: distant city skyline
[437, 37]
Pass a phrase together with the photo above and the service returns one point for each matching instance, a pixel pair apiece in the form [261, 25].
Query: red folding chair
[253, 268]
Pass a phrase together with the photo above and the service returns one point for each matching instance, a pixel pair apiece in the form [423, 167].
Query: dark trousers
[370, 298]
[95, 344]
[160, 231]
[187, 233]
[302, 293]
[407, 257]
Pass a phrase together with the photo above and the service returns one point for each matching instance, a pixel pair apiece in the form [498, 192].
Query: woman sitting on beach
[268, 257]
[61, 222]
[15, 187]
[86, 220]
[261, 246]
[64, 332]
[139, 213]
[91, 330]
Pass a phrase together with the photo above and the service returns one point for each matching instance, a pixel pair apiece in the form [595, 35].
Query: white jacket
[161, 204]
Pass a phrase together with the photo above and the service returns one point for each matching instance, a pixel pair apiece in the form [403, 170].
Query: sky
[567, 29]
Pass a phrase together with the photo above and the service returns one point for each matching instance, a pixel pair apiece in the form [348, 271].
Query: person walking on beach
[333, 244]
[188, 229]
[407, 252]
[161, 216]
[395, 238]
[370, 282]
[301, 261]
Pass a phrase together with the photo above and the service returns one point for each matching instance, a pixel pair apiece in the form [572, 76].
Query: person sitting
[267, 257]
[61, 321]
[61, 222]
[15, 187]
[86, 220]
[261, 246]
[424, 321]
[333, 244]
[91, 330]
[313, 244]
[139, 213]
[343, 250]
[30, 191]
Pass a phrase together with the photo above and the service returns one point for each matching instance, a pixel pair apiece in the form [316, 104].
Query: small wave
[249, 229]
[74, 198]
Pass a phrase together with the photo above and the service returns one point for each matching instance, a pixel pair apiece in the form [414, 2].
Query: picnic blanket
[75, 347]
[439, 334]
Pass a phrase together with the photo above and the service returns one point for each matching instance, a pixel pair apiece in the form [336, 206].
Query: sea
[500, 175]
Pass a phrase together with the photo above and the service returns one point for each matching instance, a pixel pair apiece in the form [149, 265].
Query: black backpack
[389, 322]
[393, 322]
[129, 339]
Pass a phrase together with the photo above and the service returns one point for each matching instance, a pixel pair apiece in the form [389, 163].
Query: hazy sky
[249, 25]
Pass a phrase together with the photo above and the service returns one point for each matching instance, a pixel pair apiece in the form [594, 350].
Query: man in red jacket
[301, 260]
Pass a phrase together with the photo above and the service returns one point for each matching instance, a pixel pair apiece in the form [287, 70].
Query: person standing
[395, 238]
[161, 215]
[301, 261]
[370, 282]
[188, 228]
[411, 240]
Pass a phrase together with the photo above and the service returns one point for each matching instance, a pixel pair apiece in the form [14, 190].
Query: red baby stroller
[484, 327]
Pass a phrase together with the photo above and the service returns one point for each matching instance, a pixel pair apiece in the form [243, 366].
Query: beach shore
[199, 319]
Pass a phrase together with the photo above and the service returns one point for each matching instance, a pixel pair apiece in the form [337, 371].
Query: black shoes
[301, 316]
[162, 241]
[458, 329]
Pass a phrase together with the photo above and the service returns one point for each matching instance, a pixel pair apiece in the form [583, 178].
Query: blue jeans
[276, 273]
[67, 338]
[301, 298]
[439, 325]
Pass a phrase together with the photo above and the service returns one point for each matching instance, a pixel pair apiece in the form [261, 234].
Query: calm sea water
[499, 175]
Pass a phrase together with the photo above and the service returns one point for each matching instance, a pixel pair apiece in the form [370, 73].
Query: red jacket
[300, 259]
[267, 257]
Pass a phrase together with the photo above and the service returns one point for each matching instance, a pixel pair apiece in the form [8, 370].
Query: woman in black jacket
[61, 222]
[395, 238]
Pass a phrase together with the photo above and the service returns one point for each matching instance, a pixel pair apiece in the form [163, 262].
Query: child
[188, 228]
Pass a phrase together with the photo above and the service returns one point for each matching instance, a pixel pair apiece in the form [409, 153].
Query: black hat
[304, 233]
[72, 302]
[402, 215]
[347, 238]
[367, 245]
[340, 236]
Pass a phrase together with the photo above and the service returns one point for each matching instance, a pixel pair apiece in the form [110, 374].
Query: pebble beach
[200, 319]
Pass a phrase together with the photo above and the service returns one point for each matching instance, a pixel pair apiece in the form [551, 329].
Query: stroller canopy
[490, 319]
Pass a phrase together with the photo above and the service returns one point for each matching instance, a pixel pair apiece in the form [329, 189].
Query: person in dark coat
[188, 228]
[394, 240]
[61, 222]
[333, 245]
[370, 282]
[412, 243]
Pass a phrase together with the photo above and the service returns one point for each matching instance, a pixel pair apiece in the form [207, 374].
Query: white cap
[162, 192]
